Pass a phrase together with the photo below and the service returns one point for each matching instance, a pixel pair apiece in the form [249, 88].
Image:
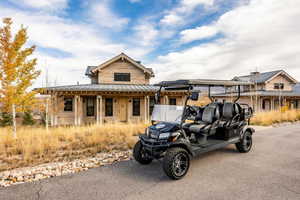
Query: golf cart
[179, 133]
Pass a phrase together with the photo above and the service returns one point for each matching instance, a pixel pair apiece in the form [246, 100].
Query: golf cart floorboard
[213, 144]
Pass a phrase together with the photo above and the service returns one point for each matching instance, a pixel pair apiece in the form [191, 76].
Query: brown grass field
[35, 145]
[273, 117]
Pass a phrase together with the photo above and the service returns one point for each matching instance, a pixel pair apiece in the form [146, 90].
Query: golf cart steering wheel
[191, 110]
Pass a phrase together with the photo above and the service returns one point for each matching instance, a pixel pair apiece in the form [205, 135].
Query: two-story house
[120, 91]
[270, 91]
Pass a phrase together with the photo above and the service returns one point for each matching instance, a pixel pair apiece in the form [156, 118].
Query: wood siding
[288, 86]
[137, 76]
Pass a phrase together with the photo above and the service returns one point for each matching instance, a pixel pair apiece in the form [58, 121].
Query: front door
[122, 109]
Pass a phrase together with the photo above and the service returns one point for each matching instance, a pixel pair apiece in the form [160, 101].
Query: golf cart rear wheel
[245, 144]
[176, 163]
[140, 154]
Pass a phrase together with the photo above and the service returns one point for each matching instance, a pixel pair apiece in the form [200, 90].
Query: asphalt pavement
[270, 171]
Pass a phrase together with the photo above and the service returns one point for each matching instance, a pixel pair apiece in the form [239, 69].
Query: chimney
[138, 61]
[254, 73]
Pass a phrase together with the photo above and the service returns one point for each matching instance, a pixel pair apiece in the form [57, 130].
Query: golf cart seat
[209, 122]
[230, 115]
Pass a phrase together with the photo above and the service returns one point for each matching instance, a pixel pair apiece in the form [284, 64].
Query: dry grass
[272, 117]
[36, 145]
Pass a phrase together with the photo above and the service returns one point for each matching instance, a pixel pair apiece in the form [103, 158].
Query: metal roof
[259, 77]
[261, 93]
[109, 88]
[89, 69]
[105, 88]
[204, 82]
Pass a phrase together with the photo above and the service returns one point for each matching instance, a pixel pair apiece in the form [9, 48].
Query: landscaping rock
[29, 174]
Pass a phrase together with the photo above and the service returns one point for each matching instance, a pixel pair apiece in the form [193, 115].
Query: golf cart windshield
[167, 113]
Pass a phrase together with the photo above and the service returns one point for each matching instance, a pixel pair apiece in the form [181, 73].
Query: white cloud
[102, 14]
[179, 14]
[145, 34]
[263, 34]
[85, 44]
[198, 33]
[42, 4]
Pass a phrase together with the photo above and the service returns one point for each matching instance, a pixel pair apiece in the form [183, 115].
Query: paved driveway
[270, 171]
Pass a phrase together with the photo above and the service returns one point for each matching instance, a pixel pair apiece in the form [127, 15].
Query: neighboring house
[270, 91]
[120, 91]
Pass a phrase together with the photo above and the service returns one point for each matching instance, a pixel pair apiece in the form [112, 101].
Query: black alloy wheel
[176, 163]
[245, 144]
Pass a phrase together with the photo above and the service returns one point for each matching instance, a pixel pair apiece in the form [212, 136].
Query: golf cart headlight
[164, 135]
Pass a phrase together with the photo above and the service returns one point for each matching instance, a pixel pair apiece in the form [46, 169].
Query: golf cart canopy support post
[188, 85]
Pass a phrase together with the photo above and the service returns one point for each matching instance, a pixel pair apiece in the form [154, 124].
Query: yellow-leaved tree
[17, 71]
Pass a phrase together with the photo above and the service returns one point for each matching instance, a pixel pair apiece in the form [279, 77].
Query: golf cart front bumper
[154, 147]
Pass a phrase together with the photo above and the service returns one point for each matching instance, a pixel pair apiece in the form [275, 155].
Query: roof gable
[265, 77]
[121, 56]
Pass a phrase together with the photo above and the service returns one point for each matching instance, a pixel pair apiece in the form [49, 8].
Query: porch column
[148, 108]
[76, 110]
[55, 110]
[99, 109]
[79, 111]
[166, 98]
[146, 100]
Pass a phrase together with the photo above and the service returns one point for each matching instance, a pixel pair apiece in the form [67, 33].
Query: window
[108, 107]
[68, 104]
[122, 77]
[172, 101]
[151, 105]
[90, 106]
[136, 107]
[278, 86]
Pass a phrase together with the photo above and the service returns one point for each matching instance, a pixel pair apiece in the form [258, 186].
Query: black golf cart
[181, 132]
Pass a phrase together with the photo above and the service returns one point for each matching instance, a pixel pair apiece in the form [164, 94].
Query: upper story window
[278, 86]
[68, 104]
[122, 77]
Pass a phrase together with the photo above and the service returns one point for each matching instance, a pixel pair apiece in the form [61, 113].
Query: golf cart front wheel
[245, 144]
[140, 155]
[176, 163]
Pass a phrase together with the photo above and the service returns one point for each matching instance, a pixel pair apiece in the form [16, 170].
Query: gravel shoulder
[270, 171]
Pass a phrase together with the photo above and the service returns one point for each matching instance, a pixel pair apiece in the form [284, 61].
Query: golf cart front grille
[153, 142]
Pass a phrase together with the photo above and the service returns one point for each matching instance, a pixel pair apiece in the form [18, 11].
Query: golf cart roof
[202, 82]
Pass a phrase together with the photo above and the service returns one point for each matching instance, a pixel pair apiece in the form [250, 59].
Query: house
[270, 91]
[120, 91]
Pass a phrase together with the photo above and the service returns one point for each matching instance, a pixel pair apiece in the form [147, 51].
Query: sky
[177, 38]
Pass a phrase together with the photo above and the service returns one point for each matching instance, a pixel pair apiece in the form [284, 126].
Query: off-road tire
[169, 159]
[139, 154]
[245, 144]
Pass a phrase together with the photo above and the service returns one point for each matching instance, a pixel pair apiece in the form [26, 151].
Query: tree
[28, 119]
[17, 71]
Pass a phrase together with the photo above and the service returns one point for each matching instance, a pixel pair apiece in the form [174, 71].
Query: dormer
[120, 70]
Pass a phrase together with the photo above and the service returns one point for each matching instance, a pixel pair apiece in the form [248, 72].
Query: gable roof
[92, 69]
[264, 77]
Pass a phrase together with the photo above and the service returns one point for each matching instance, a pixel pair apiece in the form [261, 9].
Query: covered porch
[78, 108]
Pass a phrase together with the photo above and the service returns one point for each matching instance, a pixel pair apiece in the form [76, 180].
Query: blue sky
[177, 38]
